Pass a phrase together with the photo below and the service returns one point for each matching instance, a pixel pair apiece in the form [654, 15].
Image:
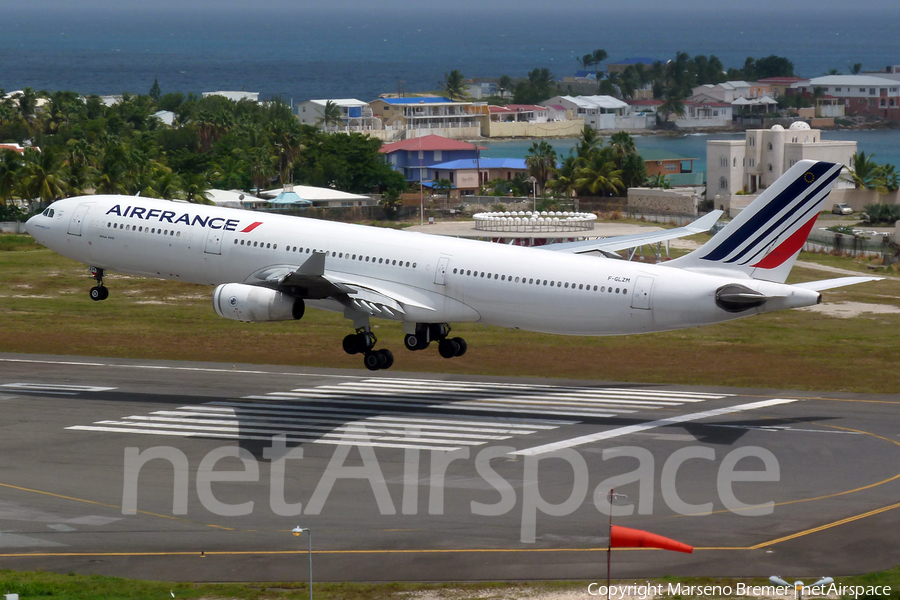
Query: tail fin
[763, 241]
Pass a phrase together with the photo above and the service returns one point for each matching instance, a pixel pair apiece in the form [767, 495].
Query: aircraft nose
[29, 225]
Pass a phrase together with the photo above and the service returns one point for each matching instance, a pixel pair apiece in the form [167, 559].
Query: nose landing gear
[98, 292]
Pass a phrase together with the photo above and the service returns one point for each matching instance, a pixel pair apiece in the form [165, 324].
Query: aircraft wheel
[104, 291]
[374, 360]
[448, 348]
[388, 358]
[411, 341]
[462, 346]
[350, 344]
[96, 293]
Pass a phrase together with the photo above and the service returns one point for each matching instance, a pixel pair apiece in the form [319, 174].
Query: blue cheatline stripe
[767, 213]
[809, 203]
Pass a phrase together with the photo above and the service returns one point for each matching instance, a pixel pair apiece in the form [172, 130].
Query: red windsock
[624, 537]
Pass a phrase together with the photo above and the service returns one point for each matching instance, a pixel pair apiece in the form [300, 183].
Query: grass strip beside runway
[45, 309]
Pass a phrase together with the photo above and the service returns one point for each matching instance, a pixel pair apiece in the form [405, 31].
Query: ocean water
[883, 144]
[361, 50]
[307, 51]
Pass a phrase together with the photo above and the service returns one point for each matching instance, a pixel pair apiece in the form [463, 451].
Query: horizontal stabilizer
[827, 284]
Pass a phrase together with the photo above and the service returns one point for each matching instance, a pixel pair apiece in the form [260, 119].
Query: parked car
[841, 209]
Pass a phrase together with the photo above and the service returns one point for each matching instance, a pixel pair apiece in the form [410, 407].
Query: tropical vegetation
[866, 174]
[76, 145]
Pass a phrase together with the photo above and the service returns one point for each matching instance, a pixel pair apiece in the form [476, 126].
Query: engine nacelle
[252, 303]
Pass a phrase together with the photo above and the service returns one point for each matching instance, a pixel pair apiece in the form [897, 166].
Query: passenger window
[624, 290]
[414, 265]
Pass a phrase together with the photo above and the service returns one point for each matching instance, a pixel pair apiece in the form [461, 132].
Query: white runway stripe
[333, 425]
[386, 443]
[400, 413]
[620, 431]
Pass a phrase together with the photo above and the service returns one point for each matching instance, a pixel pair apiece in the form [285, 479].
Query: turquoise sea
[884, 144]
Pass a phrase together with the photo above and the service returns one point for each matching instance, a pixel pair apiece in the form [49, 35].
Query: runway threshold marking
[620, 431]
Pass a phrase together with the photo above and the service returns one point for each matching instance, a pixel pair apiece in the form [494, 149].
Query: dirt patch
[848, 310]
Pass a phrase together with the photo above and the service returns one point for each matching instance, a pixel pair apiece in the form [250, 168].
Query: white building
[755, 162]
[729, 91]
[598, 112]
[235, 96]
[860, 94]
[355, 114]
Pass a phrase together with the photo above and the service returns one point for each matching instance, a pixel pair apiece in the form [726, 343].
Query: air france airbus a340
[270, 267]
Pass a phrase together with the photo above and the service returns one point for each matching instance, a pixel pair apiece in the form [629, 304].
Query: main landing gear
[98, 292]
[363, 341]
[425, 333]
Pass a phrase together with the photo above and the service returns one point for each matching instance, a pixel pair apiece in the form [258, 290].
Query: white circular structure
[798, 125]
[516, 221]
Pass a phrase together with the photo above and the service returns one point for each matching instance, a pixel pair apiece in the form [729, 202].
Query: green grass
[94, 587]
[45, 309]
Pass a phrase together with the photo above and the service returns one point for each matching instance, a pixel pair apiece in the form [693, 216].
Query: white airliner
[270, 267]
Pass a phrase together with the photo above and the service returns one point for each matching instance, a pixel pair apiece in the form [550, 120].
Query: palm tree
[563, 181]
[331, 115]
[41, 178]
[541, 161]
[444, 185]
[195, 189]
[588, 141]
[622, 144]
[598, 57]
[599, 175]
[659, 181]
[673, 103]
[453, 84]
[888, 179]
[863, 171]
[857, 67]
[504, 84]
[11, 165]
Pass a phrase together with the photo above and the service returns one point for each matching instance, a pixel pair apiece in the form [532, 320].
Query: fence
[871, 244]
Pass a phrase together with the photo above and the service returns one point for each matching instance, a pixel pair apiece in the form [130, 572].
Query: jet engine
[252, 303]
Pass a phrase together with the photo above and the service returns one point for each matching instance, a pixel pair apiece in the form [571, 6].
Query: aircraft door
[77, 219]
[214, 242]
[641, 297]
[440, 273]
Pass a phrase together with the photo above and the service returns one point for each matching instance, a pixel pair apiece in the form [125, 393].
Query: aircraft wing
[624, 242]
[310, 282]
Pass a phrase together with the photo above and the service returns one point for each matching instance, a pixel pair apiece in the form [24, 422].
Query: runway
[198, 471]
